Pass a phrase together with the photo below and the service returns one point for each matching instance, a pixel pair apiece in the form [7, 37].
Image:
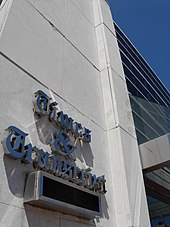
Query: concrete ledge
[155, 154]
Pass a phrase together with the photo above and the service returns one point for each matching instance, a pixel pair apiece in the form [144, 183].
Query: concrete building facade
[69, 50]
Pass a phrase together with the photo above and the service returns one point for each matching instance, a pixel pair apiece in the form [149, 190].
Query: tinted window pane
[163, 95]
[143, 77]
[151, 120]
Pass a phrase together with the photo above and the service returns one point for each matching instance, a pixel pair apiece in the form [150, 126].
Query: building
[150, 102]
[71, 136]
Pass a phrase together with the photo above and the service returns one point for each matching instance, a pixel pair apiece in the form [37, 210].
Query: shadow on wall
[16, 172]
[105, 206]
[46, 132]
[84, 154]
[38, 217]
[16, 176]
[45, 129]
[34, 217]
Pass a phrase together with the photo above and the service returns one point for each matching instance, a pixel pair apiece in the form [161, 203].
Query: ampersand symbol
[61, 144]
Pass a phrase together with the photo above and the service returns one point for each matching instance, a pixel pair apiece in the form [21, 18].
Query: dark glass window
[141, 74]
[130, 51]
[144, 128]
[132, 89]
[140, 137]
[139, 84]
[67, 194]
[151, 119]
[128, 74]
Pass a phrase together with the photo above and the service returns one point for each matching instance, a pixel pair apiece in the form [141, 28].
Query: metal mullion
[142, 84]
[136, 88]
[151, 117]
[144, 77]
[146, 123]
[148, 68]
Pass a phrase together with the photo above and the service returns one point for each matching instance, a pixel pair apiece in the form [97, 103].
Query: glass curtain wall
[150, 102]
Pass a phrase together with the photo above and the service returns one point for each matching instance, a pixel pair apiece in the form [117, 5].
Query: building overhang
[155, 154]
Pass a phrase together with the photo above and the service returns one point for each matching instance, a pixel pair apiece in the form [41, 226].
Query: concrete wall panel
[38, 46]
[102, 14]
[123, 109]
[70, 223]
[85, 7]
[135, 186]
[81, 84]
[81, 33]
[54, 11]
[12, 216]
[113, 54]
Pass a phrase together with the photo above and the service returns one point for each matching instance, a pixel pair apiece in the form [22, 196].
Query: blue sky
[147, 25]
